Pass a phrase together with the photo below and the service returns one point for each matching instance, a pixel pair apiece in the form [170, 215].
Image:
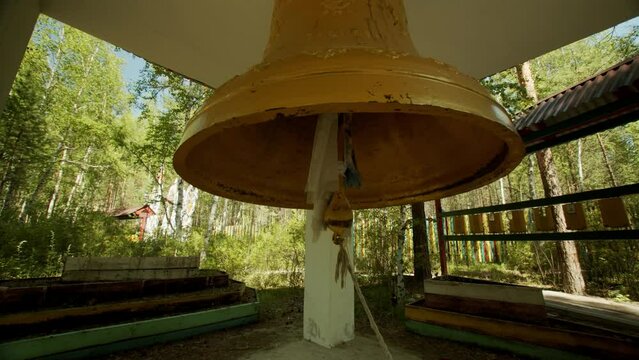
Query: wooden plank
[488, 308]
[216, 278]
[126, 263]
[476, 223]
[138, 305]
[459, 225]
[90, 293]
[12, 299]
[92, 342]
[545, 336]
[544, 220]
[503, 293]
[575, 217]
[629, 311]
[138, 342]
[517, 222]
[516, 347]
[613, 213]
[172, 286]
[123, 275]
[592, 310]
[495, 223]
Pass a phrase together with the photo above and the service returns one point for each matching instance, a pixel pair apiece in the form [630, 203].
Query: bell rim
[513, 153]
[306, 77]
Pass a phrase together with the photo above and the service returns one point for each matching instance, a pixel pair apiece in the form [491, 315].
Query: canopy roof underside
[211, 41]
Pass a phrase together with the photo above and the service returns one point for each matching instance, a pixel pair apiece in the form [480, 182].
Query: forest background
[78, 144]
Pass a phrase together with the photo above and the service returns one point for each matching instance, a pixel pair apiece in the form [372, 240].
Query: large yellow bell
[420, 129]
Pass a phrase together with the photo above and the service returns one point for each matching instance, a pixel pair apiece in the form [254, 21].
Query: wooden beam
[134, 306]
[577, 342]
[127, 263]
[516, 347]
[506, 293]
[55, 293]
[99, 341]
[129, 268]
[503, 301]
[488, 308]
[123, 275]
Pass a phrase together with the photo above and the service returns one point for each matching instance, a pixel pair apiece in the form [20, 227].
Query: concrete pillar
[17, 19]
[328, 308]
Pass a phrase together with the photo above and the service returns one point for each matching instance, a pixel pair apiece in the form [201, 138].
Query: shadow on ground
[278, 335]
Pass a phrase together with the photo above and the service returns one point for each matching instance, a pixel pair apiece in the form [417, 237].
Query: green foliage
[609, 267]
[275, 257]
[507, 90]
[494, 272]
[72, 152]
[38, 250]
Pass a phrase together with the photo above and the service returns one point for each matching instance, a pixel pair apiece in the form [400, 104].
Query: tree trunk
[580, 164]
[611, 174]
[531, 178]
[225, 210]
[421, 258]
[400, 289]
[440, 238]
[44, 177]
[209, 227]
[573, 186]
[58, 182]
[179, 202]
[573, 281]
[79, 178]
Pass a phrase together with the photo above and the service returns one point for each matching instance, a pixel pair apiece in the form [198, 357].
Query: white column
[328, 308]
[17, 19]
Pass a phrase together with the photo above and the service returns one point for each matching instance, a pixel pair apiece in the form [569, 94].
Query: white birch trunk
[79, 178]
[58, 181]
[580, 164]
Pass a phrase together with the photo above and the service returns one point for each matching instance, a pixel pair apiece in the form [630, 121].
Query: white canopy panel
[213, 40]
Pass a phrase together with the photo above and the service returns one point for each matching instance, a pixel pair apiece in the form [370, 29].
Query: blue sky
[132, 66]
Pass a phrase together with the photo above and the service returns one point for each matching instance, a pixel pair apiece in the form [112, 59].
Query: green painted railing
[546, 236]
[563, 199]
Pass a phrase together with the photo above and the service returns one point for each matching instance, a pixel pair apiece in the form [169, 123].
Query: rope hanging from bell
[338, 216]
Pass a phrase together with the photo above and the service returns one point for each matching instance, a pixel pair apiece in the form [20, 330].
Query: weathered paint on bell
[420, 129]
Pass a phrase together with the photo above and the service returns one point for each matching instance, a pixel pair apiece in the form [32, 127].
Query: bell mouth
[420, 130]
[429, 158]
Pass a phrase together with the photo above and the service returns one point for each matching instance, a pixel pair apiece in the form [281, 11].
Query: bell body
[420, 129]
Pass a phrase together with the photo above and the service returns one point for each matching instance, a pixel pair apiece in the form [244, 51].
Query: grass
[287, 305]
[494, 272]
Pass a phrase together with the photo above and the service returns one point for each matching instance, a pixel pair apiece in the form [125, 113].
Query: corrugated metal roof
[616, 84]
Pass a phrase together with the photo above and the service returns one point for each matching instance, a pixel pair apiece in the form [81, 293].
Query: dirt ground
[278, 335]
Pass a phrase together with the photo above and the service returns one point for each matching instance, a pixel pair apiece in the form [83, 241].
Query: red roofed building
[141, 213]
